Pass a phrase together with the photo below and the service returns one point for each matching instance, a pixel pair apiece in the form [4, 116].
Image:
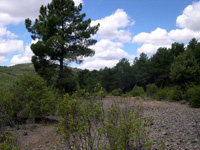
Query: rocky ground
[176, 124]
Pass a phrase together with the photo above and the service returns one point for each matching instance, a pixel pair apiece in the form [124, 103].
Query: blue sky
[127, 28]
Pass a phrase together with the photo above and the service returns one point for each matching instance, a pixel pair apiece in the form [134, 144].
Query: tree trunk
[61, 64]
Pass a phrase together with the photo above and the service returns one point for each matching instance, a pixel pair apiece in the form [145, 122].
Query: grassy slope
[10, 74]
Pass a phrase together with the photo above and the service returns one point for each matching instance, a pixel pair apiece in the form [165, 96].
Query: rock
[164, 133]
[194, 141]
[196, 146]
[183, 102]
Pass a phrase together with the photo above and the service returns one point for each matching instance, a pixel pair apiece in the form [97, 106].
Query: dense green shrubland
[27, 99]
[193, 96]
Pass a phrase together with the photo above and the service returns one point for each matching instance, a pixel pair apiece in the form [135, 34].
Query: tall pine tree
[63, 37]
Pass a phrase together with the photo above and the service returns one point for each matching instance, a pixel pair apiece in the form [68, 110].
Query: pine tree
[63, 37]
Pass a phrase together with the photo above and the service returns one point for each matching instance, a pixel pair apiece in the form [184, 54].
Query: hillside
[9, 74]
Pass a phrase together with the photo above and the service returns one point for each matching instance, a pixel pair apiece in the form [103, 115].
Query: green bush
[8, 141]
[137, 91]
[8, 108]
[32, 97]
[151, 90]
[128, 94]
[125, 128]
[116, 92]
[174, 94]
[86, 124]
[193, 96]
[80, 120]
[161, 94]
[29, 98]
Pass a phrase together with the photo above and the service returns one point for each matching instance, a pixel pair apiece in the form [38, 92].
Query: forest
[48, 86]
[173, 72]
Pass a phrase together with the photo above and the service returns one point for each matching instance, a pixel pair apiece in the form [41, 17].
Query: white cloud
[108, 50]
[11, 35]
[7, 44]
[158, 37]
[77, 2]
[15, 11]
[24, 57]
[107, 53]
[10, 46]
[8, 34]
[183, 35]
[3, 59]
[190, 18]
[113, 32]
[189, 21]
[150, 49]
[113, 27]
[152, 41]
[98, 64]
[6, 19]
[2, 32]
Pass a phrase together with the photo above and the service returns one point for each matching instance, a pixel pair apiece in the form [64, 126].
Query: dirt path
[38, 136]
[176, 124]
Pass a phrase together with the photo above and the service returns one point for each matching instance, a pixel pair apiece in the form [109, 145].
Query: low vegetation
[8, 141]
[87, 124]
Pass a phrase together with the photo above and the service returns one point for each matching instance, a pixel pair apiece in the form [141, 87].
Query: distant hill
[8, 75]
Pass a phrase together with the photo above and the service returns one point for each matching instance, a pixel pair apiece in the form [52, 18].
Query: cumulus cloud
[98, 64]
[152, 41]
[11, 35]
[113, 27]
[107, 53]
[108, 50]
[190, 18]
[77, 2]
[189, 21]
[7, 44]
[24, 57]
[113, 32]
[15, 11]
[150, 49]
[8, 34]
[2, 32]
[10, 46]
[184, 35]
[158, 36]
[3, 59]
